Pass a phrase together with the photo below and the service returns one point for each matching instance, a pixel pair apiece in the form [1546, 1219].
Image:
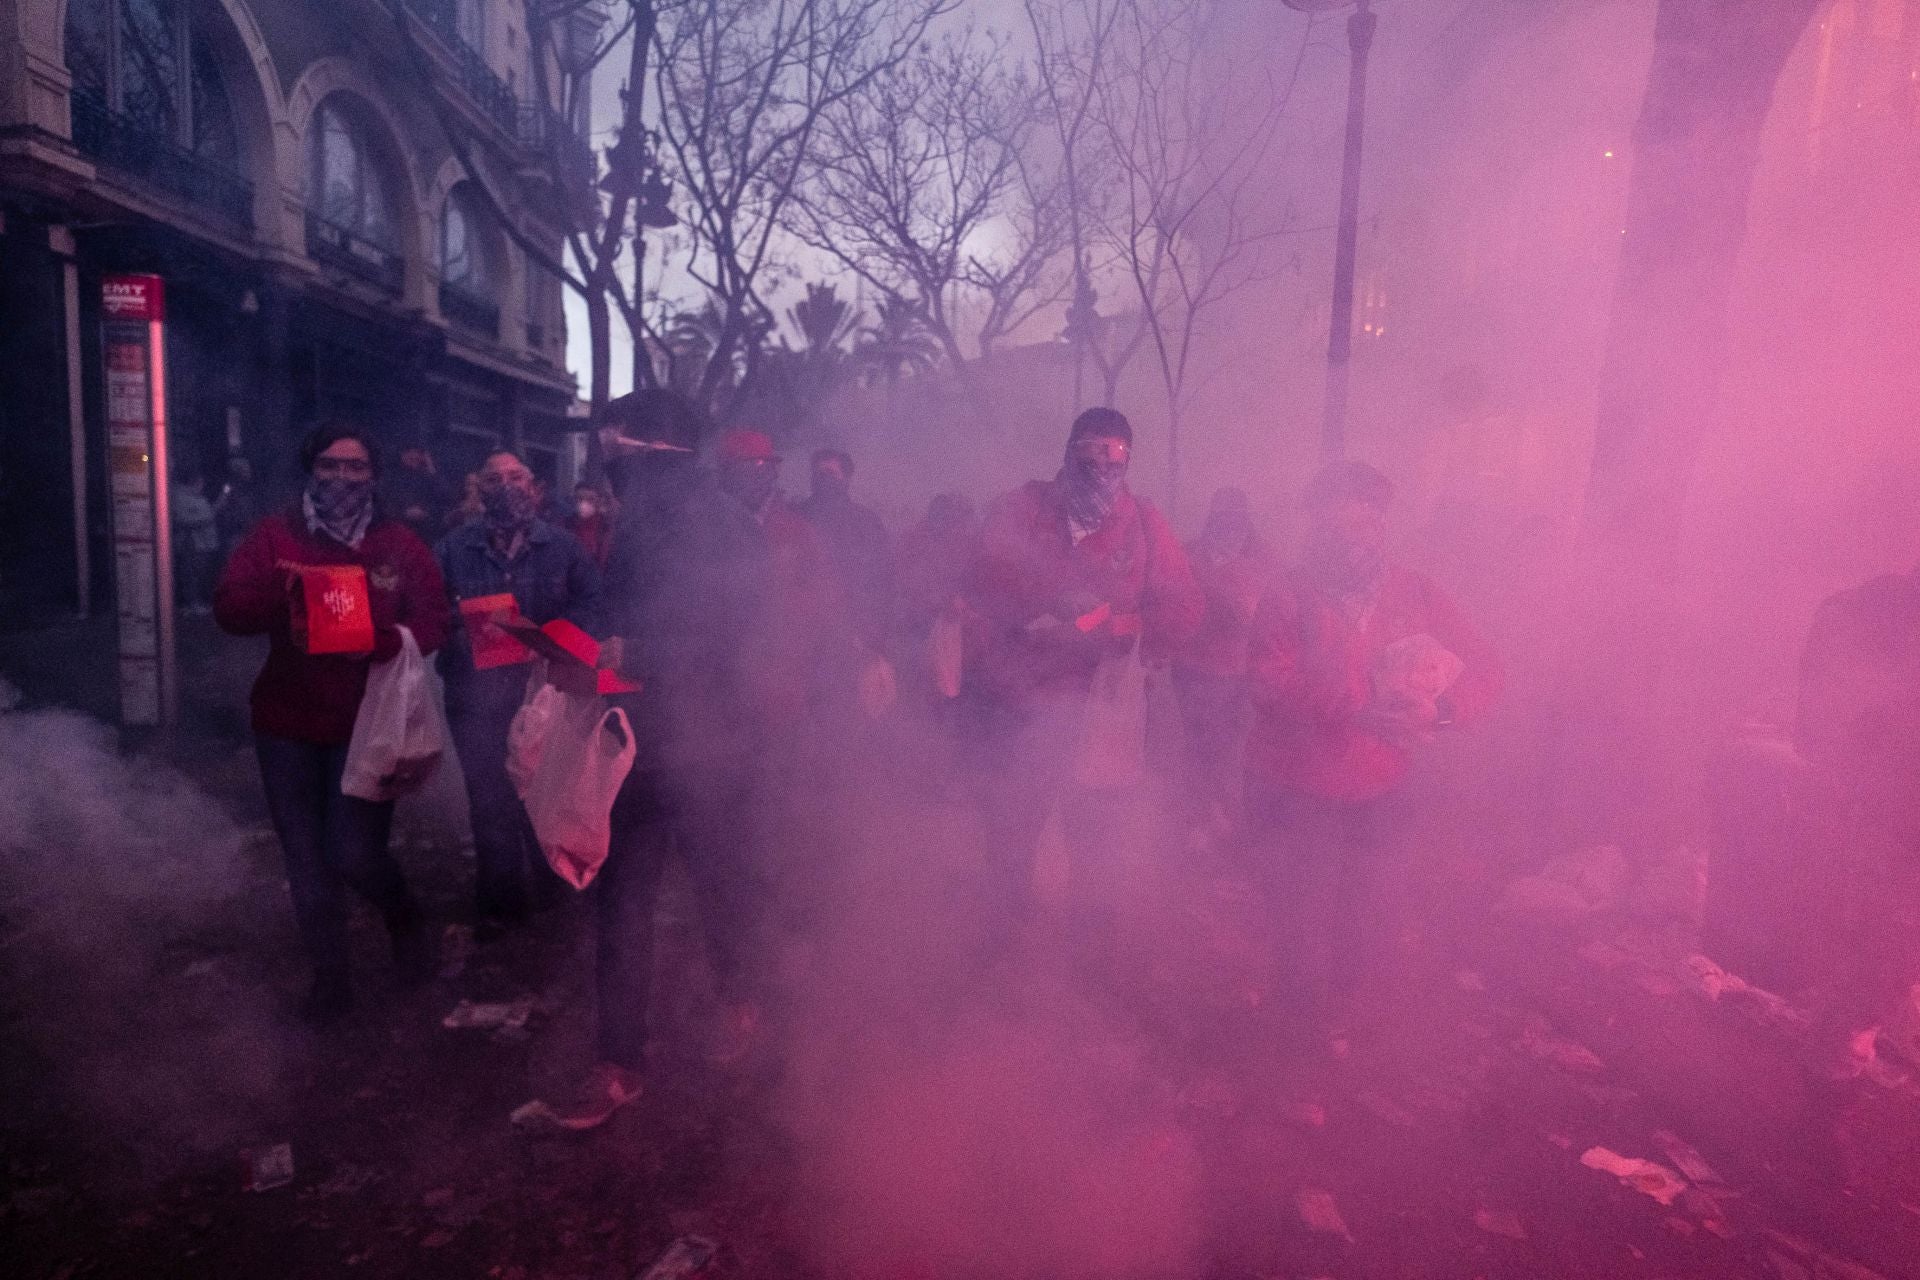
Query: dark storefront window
[148, 98]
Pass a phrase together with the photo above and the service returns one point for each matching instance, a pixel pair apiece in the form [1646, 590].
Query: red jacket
[314, 698]
[1312, 669]
[1028, 568]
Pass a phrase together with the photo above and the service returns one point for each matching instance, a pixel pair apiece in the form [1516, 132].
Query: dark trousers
[707, 816]
[1217, 715]
[331, 841]
[506, 857]
[1317, 862]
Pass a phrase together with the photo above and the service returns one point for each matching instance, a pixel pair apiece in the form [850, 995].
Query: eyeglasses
[1101, 449]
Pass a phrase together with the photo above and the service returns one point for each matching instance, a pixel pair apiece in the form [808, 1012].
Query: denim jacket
[551, 576]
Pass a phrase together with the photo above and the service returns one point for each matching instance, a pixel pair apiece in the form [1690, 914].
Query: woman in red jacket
[304, 704]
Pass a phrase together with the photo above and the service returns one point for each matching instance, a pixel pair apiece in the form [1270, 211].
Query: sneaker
[739, 1029]
[606, 1088]
[327, 1001]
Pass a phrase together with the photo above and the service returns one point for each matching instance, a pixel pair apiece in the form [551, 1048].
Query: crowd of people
[749, 639]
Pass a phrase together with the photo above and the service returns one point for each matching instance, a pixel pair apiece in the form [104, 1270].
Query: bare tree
[567, 42]
[1188, 128]
[740, 93]
[1072, 44]
[927, 188]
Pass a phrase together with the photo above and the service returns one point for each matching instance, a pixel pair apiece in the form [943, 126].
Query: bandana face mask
[1094, 475]
[509, 507]
[339, 500]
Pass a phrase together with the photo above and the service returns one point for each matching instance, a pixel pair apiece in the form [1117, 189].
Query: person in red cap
[1076, 584]
[1355, 661]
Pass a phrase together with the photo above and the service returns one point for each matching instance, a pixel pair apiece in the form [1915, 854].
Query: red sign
[139, 298]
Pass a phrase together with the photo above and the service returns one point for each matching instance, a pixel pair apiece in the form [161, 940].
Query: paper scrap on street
[1644, 1176]
[1539, 1041]
[267, 1167]
[1687, 1160]
[1321, 1214]
[469, 1016]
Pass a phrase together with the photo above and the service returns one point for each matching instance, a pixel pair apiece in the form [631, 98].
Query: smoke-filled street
[1533, 1040]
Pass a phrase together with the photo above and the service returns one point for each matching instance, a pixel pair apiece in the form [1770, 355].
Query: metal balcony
[156, 160]
[488, 91]
[336, 246]
[558, 146]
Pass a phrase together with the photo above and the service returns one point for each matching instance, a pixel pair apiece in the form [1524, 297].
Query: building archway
[335, 111]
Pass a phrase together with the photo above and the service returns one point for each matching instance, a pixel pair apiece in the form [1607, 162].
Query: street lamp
[1360, 25]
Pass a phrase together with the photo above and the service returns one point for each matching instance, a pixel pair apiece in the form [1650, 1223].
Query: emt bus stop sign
[133, 346]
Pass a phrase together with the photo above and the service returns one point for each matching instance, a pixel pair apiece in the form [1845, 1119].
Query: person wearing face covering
[1354, 661]
[592, 522]
[304, 704]
[1072, 576]
[1233, 565]
[687, 586]
[508, 553]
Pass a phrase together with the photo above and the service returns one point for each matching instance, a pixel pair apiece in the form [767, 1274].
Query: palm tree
[897, 344]
[824, 320]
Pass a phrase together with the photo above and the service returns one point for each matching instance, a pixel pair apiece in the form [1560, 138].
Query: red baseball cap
[743, 445]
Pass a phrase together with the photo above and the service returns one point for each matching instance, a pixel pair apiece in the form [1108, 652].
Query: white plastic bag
[588, 753]
[527, 735]
[945, 654]
[1113, 744]
[400, 732]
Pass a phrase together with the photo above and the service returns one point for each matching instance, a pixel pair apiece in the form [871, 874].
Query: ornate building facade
[300, 173]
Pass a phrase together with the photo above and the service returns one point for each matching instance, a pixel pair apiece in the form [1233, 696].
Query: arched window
[344, 182]
[464, 261]
[146, 68]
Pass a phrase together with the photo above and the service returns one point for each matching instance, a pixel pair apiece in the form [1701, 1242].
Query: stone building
[293, 170]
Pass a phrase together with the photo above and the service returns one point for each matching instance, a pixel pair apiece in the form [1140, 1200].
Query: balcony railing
[336, 246]
[153, 158]
[469, 310]
[545, 134]
[488, 91]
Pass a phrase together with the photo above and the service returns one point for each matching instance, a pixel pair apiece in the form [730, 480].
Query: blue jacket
[551, 577]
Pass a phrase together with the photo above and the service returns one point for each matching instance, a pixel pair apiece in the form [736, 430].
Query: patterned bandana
[1090, 491]
[338, 507]
[509, 509]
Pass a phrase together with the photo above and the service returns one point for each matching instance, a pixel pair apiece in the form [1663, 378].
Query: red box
[339, 612]
[492, 647]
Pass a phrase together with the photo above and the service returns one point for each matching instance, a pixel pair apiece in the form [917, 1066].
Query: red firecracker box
[492, 647]
[339, 613]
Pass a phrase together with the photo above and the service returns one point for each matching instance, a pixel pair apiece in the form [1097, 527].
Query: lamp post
[1360, 26]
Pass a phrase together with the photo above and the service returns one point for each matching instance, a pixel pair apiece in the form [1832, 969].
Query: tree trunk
[600, 372]
[1696, 146]
[1625, 728]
